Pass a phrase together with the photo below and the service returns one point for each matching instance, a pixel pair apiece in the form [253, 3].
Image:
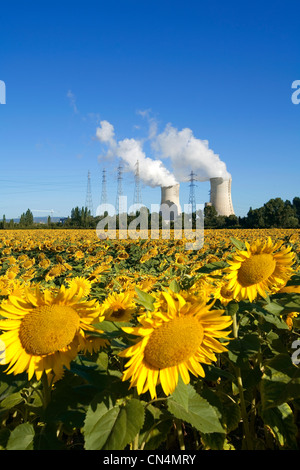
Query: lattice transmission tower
[137, 197]
[120, 188]
[88, 199]
[104, 191]
[192, 197]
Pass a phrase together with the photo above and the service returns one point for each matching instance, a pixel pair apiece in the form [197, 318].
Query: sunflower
[12, 272]
[81, 285]
[173, 341]
[44, 330]
[119, 307]
[44, 263]
[289, 319]
[290, 290]
[98, 272]
[78, 254]
[55, 271]
[260, 269]
[223, 293]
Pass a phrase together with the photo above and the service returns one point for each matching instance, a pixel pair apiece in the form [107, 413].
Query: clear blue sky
[222, 69]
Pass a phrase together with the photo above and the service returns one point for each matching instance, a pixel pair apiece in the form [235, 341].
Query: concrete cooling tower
[170, 205]
[220, 196]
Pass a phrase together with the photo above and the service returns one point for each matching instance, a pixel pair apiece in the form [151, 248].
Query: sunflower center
[173, 342]
[48, 329]
[118, 313]
[256, 269]
[226, 293]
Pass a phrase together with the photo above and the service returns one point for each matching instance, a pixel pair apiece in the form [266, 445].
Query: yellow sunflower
[223, 293]
[289, 319]
[81, 285]
[44, 330]
[174, 341]
[290, 290]
[55, 271]
[119, 306]
[260, 269]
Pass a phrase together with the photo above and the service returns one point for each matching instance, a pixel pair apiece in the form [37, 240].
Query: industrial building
[220, 198]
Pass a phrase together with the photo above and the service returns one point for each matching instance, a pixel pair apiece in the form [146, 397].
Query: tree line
[274, 213]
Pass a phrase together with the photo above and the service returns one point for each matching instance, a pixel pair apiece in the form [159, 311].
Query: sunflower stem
[178, 425]
[46, 390]
[135, 442]
[241, 392]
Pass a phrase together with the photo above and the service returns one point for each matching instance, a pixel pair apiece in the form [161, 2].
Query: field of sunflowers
[143, 345]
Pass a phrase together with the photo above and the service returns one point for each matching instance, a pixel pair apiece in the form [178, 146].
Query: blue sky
[224, 70]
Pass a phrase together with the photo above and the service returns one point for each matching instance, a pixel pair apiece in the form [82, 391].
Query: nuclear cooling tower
[220, 196]
[170, 205]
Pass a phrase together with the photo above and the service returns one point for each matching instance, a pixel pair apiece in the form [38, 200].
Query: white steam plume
[152, 172]
[188, 153]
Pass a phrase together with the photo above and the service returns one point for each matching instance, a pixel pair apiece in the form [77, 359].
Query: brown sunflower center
[48, 329]
[118, 313]
[173, 342]
[256, 269]
[226, 293]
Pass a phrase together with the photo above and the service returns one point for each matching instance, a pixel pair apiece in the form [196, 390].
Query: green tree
[255, 218]
[76, 216]
[280, 214]
[210, 216]
[231, 221]
[28, 218]
[296, 206]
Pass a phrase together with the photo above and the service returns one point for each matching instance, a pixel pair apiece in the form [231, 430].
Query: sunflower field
[127, 345]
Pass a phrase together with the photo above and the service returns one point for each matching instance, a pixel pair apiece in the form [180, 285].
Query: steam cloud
[185, 152]
[152, 172]
[188, 153]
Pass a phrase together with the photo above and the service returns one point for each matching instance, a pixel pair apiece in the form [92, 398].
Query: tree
[210, 216]
[26, 219]
[76, 216]
[296, 206]
[255, 218]
[231, 221]
[280, 214]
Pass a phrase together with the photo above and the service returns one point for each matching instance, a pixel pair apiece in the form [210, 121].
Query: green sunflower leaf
[145, 299]
[280, 421]
[187, 405]
[210, 267]
[280, 382]
[112, 427]
[21, 438]
[238, 243]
